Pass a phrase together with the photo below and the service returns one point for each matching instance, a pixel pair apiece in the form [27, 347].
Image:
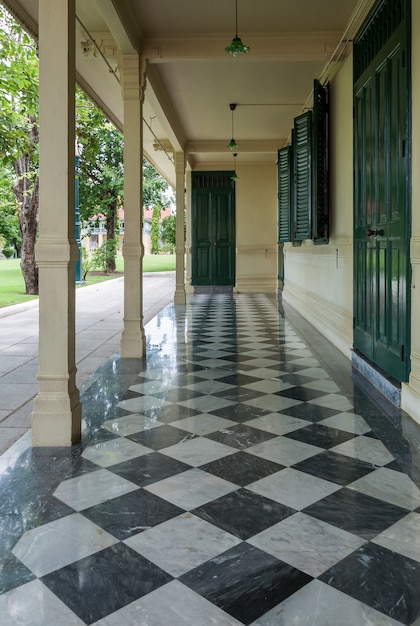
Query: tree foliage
[19, 134]
[101, 180]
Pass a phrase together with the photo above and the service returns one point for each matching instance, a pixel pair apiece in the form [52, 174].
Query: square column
[133, 340]
[57, 414]
[180, 237]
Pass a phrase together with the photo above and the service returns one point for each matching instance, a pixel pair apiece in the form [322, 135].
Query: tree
[9, 221]
[168, 231]
[101, 179]
[19, 134]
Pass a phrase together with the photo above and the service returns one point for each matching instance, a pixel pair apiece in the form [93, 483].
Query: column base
[56, 419]
[133, 345]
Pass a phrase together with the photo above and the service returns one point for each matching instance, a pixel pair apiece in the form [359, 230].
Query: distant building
[93, 233]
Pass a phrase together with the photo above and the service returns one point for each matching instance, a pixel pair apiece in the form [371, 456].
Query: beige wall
[256, 228]
[410, 397]
[318, 279]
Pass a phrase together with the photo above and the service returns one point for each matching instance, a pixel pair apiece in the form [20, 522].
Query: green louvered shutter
[302, 197]
[284, 193]
[320, 198]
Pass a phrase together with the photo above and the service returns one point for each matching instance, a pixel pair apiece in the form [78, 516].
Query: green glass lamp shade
[232, 144]
[234, 176]
[237, 47]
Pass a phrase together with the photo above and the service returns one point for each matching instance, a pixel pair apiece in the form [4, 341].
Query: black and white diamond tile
[233, 484]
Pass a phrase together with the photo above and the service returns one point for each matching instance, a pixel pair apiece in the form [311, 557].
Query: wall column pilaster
[180, 237]
[57, 412]
[133, 341]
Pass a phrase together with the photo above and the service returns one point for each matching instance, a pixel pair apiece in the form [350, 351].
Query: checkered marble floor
[232, 477]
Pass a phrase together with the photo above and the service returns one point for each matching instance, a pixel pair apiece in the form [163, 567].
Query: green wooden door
[381, 264]
[213, 229]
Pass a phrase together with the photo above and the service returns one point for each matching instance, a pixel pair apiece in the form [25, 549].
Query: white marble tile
[114, 451]
[318, 604]
[402, 537]
[182, 543]
[198, 451]
[365, 448]
[47, 548]
[264, 372]
[273, 403]
[171, 605]
[261, 362]
[151, 387]
[277, 423]
[131, 423]
[92, 488]
[308, 544]
[211, 373]
[349, 422]
[324, 384]
[293, 488]
[210, 386]
[203, 424]
[213, 354]
[284, 450]
[268, 385]
[306, 361]
[314, 372]
[191, 489]
[204, 404]
[33, 604]
[257, 353]
[391, 486]
[333, 401]
[142, 403]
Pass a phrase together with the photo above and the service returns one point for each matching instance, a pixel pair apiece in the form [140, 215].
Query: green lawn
[12, 285]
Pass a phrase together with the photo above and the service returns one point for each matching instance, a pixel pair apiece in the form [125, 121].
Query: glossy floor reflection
[239, 475]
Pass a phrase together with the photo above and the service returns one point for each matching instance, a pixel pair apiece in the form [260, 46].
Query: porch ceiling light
[232, 145]
[234, 176]
[237, 47]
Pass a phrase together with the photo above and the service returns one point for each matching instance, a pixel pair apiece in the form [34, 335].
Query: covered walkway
[239, 474]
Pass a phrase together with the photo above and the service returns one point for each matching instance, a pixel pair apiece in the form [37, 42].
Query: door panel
[381, 237]
[213, 229]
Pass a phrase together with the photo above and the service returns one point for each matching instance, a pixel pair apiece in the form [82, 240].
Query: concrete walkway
[99, 323]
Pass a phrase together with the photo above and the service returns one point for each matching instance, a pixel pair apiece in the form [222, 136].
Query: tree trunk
[27, 196]
[111, 226]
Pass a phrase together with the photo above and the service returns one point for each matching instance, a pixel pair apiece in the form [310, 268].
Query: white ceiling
[192, 80]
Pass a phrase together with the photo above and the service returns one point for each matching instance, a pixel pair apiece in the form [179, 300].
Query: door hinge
[403, 148]
[402, 356]
[354, 322]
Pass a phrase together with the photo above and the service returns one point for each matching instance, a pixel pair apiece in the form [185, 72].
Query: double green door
[213, 229]
[381, 228]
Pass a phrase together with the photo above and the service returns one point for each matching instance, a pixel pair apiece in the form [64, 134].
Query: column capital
[133, 77]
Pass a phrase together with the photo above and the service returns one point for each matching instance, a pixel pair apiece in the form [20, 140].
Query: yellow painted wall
[318, 279]
[256, 228]
[410, 396]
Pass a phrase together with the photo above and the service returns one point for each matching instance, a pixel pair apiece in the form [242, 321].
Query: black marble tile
[129, 394]
[296, 379]
[241, 468]
[105, 582]
[310, 412]
[240, 412]
[169, 414]
[394, 466]
[356, 512]
[337, 468]
[149, 468]
[161, 437]
[384, 580]
[131, 513]
[245, 582]
[301, 393]
[13, 573]
[239, 379]
[320, 435]
[241, 436]
[243, 513]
